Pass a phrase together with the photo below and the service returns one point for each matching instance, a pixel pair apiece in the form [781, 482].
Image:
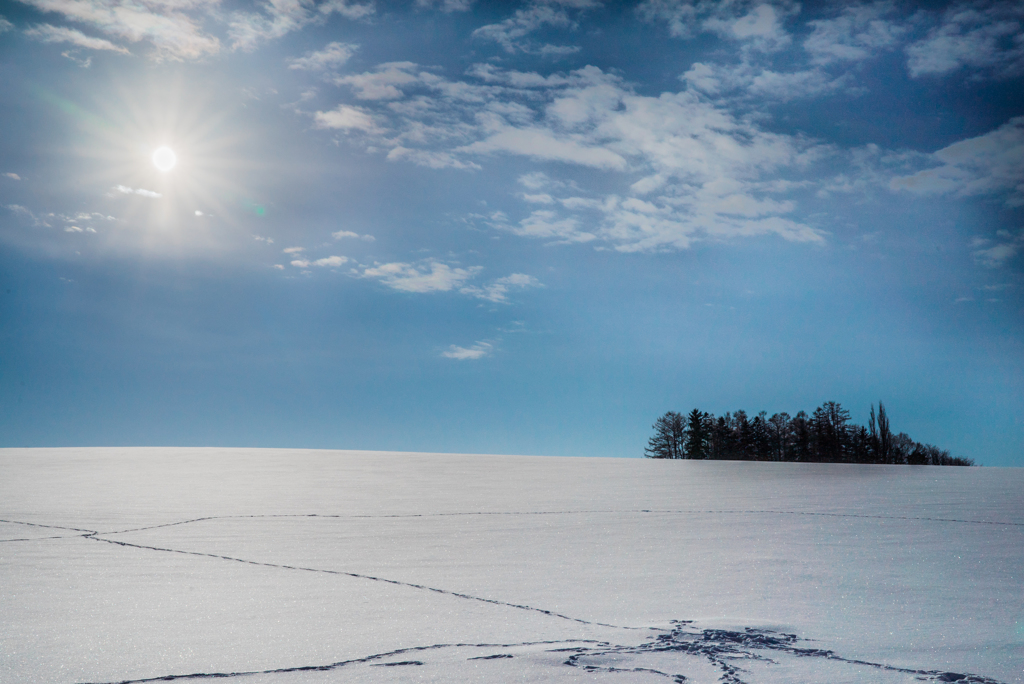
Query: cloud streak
[426, 277]
[477, 351]
[59, 34]
[166, 26]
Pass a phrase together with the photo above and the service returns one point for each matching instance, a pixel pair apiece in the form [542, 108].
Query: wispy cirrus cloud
[48, 33]
[168, 26]
[347, 118]
[705, 172]
[125, 190]
[281, 17]
[859, 32]
[332, 56]
[992, 163]
[424, 277]
[476, 351]
[325, 262]
[497, 290]
[746, 80]
[757, 25]
[985, 37]
[447, 6]
[511, 33]
[995, 253]
[350, 234]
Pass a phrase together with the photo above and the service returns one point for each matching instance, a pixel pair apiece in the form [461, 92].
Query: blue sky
[509, 228]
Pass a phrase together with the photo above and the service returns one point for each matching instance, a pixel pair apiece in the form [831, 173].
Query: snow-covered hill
[127, 565]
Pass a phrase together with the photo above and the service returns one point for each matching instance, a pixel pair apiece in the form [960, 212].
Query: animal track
[723, 648]
[675, 651]
[719, 648]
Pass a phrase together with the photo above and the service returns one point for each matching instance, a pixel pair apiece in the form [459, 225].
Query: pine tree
[697, 434]
[801, 437]
[780, 428]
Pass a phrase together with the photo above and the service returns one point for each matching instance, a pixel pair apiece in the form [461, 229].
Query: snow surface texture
[275, 566]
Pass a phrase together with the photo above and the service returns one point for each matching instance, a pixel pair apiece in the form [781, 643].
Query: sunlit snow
[128, 565]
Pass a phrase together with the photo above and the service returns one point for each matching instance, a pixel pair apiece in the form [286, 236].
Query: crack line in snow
[356, 575]
[581, 512]
[353, 661]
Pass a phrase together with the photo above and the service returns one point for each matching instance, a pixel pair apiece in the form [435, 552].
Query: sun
[164, 158]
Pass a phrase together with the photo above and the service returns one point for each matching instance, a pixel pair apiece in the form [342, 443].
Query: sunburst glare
[164, 158]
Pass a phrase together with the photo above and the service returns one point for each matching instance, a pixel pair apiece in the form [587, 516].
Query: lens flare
[164, 158]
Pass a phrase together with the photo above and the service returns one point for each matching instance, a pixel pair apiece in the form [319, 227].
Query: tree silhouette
[825, 436]
[667, 441]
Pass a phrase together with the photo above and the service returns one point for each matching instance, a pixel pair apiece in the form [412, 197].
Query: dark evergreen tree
[826, 436]
[780, 430]
[697, 435]
[760, 437]
[744, 438]
[801, 437]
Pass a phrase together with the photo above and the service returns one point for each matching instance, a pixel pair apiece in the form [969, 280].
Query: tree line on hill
[826, 436]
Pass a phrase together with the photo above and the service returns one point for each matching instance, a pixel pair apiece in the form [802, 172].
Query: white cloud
[756, 25]
[430, 159]
[985, 39]
[447, 5]
[293, 250]
[332, 56]
[28, 213]
[534, 181]
[547, 225]
[859, 32]
[681, 16]
[346, 9]
[508, 33]
[260, 238]
[429, 276]
[715, 79]
[348, 233]
[346, 117]
[13, 176]
[331, 261]
[477, 351]
[383, 83]
[497, 291]
[1007, 246]
[172, 32]
[541, 143]
[326, 262]
[59, 34]
[990, 163]
[279, 17]
[760, 28]
[125, 190]
[5, 25]
[707, 173]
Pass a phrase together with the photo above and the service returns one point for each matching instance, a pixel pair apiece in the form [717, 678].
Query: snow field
[307, 566]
